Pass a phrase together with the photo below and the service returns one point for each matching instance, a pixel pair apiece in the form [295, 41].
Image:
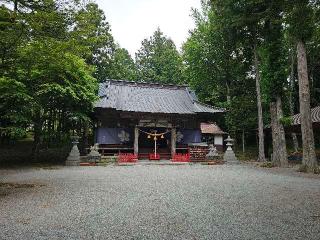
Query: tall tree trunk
[243, 143]
[309, 156]
[228, 93]
[291, 104]
[261, 157]
[37, 125]
[85, 136]
[279, 151]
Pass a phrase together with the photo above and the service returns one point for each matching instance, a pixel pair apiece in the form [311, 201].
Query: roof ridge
[147, 83]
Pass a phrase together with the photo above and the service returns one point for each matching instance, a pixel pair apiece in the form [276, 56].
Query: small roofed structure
[296, 121]
[141, 118]
[295, 127]
[315, 117]
[212, 133]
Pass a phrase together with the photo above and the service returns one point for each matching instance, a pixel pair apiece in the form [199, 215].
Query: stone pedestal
[229, 156]
[74, 155]
[94, 156]
[213, 153]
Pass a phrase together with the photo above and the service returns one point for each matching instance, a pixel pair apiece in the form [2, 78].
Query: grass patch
[7, 188]
[250, 154]
[304, 169]
[19, 185]
[267, 165]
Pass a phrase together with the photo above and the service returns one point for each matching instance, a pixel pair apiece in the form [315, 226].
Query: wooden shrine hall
[150, 120]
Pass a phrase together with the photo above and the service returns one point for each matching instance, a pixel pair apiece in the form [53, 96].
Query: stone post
[136, 140]
[173, 141]
[74, 155]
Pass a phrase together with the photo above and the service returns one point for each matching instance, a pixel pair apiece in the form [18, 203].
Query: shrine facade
[149, 118]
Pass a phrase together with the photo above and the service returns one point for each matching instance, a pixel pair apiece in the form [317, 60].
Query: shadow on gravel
[7, 188]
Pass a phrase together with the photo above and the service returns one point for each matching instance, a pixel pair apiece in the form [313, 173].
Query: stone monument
[94, 155]
[213, 153]
[74, 155]
[229, 156]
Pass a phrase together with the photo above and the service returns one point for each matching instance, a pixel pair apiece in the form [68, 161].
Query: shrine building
[149, 118]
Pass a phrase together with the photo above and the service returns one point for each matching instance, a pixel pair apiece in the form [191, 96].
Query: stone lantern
[74, 155]
[229, 156]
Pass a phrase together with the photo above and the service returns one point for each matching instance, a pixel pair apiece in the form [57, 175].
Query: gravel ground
[159, 202]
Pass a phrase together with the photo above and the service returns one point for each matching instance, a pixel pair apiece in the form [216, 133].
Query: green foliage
[56, 75]
[47, 82]
[302, 19]
[217, 66]
[92, 32]
[242, 113]
[158, 60]
[299, 18]
[273, 58]
[219, 54]
[286, 121]
[14, 108]
[123, 66]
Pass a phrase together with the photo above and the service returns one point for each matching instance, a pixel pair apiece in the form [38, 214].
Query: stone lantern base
[74, 157]
[230, 158]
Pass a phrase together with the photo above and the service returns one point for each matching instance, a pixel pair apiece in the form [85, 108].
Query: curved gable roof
[150, 97]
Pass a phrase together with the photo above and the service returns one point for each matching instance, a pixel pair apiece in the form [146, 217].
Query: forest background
[242, 55]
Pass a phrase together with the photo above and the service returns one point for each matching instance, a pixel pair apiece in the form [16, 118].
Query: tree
[14, 109]
[291, 94]
[122, 65]
[300, 19]
[246, 17]
[44, 70]
[93, 36]
[57, 81]
[217, 66]
[158, 60]
[274, 78]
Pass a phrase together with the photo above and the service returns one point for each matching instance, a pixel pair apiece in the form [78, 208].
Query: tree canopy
[54, 53]
[158, 60]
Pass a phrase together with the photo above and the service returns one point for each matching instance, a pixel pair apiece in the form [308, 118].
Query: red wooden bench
[127, 158]
[153, 156]
[181, 157]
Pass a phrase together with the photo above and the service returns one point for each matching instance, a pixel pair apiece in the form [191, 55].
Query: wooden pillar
[136, 140]
[173, 141]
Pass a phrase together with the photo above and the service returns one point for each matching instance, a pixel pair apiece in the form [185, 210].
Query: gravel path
[159, 202]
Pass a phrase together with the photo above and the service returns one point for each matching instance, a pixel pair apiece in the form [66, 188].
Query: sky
[134, 20]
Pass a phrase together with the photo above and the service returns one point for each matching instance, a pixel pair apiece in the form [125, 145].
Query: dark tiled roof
[150, 98]
[315, 116]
